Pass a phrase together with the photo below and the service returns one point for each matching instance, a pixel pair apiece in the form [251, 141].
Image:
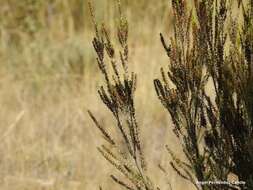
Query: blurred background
[48, 80]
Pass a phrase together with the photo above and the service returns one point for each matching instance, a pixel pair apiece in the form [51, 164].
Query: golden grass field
[48, 80]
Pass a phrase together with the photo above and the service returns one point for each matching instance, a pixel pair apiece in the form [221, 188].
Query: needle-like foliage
[204, 49]
[118, 96]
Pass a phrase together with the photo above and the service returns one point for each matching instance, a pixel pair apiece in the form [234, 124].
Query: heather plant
[209, 47]
[198, 54]
[118, 96]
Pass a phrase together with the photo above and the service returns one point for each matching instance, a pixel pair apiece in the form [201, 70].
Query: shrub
[209, 46]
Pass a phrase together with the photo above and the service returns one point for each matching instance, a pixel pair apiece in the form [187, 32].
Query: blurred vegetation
[34, 15]
[44, 38]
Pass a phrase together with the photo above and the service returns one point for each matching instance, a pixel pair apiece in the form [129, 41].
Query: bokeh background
[48, 80]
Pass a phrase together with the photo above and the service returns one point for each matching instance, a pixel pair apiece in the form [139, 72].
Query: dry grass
[48, 79]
